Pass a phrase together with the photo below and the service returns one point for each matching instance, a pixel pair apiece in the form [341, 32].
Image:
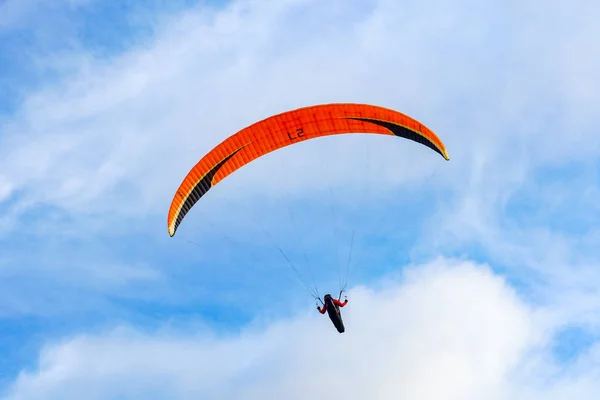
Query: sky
[471, 278]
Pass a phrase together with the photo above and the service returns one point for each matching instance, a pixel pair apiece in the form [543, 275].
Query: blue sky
[477, 275]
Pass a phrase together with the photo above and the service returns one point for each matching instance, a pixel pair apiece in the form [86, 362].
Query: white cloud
[117, 137]
[140, 121]
[448, 329]
[508, 87]
[203, 79]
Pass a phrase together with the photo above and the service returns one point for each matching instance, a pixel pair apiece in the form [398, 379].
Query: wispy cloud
[90, 159]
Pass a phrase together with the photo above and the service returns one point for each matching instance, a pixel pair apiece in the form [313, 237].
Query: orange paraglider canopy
[288, 128]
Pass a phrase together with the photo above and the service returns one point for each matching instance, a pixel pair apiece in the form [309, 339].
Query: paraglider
[332, 306]
[288, 128]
